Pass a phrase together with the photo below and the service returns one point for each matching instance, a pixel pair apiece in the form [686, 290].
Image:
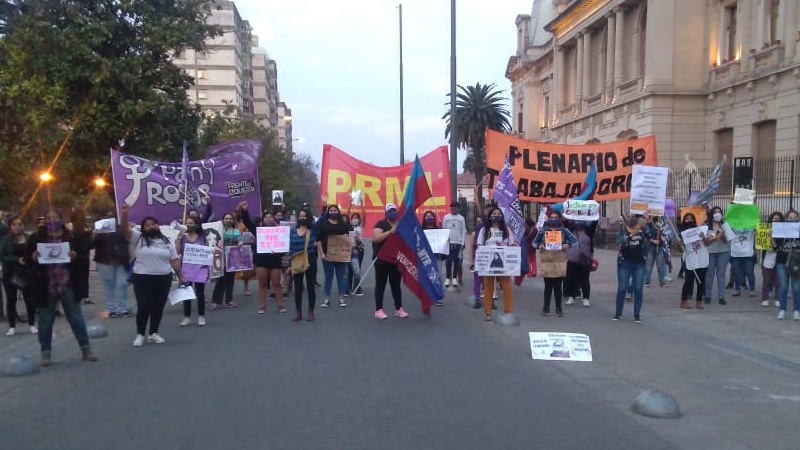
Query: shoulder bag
[299, 261]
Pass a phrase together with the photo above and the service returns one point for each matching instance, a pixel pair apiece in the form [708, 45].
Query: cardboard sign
[764, 236]
[238, 259]
[649, 189]
[586, 210]
[272, 239]
[501, 261]
[552, 264]
[744, 196]
[692, 235]
[439, 241]
[340, 248]
[560, 346]
[553, 240]
[202, 255]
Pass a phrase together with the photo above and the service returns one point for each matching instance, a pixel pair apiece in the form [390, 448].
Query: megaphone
[175, 225]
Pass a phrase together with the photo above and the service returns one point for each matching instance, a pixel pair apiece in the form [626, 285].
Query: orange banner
[342, 174]
[550, 173]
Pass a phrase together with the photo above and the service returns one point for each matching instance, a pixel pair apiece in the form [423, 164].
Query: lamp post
[46, 178]
[402, 123]
[453, 121]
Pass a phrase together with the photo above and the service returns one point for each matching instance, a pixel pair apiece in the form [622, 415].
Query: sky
[338, 67]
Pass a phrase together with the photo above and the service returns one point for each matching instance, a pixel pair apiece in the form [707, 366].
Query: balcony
[629, 88]
[725, 72]
[769, 57]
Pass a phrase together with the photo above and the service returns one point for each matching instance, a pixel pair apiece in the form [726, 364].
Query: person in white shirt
[458, 237]
[743, 245]
[156, 258]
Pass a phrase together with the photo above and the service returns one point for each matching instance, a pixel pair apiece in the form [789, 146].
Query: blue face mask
[553, 222]
[391, 215]
[54, 225]
[333, 215]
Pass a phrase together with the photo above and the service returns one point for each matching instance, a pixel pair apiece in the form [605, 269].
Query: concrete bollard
[658, 404]
[506, 320]
[19, 366]
[97, 331]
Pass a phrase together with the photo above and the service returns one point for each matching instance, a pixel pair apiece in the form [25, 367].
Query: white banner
[649, 189]
[586, 210]
[786, 230]
[692, 235]
[272, 239]
[198, 254]
[439, 240]
[498, 261]
[560, 346]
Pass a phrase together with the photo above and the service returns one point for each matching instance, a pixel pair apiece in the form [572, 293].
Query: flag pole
[185, 184]
[364, 275]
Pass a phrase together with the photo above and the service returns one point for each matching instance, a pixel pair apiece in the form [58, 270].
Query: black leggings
[151, 293]
[200, 293]
[552, 286]
[691, 277]
[386, 271]
[11, 305]
[309, 277]
[577, 281]
[224, 284]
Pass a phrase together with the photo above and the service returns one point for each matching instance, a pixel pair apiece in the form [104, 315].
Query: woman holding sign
[719, 252]
[196, 274]
[553, 239]
[631, 265]
[695, 257]
[335, 247]
[269, 267]
[231, 236]
[786, 267]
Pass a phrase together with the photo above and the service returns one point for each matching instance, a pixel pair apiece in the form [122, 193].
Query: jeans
[151, 296]
[769, 283]
[633, 272]
[353, 273]
[200, 293]
[340, 269]
[74, 315]
[655, 256]
[11, 304]
[694, 276]
[717, 263]
[743, 268]
[309, 277]
[115, 285]
[385, 271]
[784, 279]
[505, 283]
[224, 285]
[453, 258]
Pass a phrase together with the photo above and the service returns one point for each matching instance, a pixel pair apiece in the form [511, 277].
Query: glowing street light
[45, 177]
[100, 183]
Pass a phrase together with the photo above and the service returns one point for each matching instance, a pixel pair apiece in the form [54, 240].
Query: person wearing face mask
[112, 260]
[12, 254]
[429, 223]
[553, 282]
[742, 244]
[333, 226]
[457, 225]
[769, 275]
[719, 252]
[269, 266]
[231, 236]
[194, 235]
[386, 271]
[785, 247]
[156, 260]
[630, 266]
[51, 284]
[301, 240]
[695, 256]
[579, 266]
[357, 257]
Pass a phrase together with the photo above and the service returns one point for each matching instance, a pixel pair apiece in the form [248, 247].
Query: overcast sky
[338, 67]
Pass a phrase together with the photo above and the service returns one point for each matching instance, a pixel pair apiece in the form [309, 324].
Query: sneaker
[637, 319]
[796, 315]
[155, 338]
[346, 295]
[447, 282]
[325, 304]
[34, 330]
[11, 332]
[545, 312]
[455, 282]
[439, 303]
[478, 305]
[570, 301]
[647, 285]
[342, 303]
[201, 321]
[777, 303]
[586, 303]
[765, 303]
[667, 279]
[401, 313]
[616, 318]
[185, 321]
[139, 341]
[359, 292]
[125, 314]
[112, 315]
[488, 318]
[379, 314]
[230, 305]
[559, 313]
[722, 301]
[781, 314]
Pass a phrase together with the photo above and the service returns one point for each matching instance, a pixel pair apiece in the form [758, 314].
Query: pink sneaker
[379, 314]
[401, 313]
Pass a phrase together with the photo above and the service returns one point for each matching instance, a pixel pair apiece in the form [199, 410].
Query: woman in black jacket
[12, 255]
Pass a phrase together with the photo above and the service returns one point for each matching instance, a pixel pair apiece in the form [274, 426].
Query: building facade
[265, 89]
[284, 129]
[707, 77]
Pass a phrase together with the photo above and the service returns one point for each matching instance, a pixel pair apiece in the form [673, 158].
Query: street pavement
[453, 381]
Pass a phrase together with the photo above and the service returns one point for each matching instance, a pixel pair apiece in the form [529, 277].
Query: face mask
[430, 219]
[793, 220]
[391, 215]
[150, 233]
[278, 219]
[191, 227]
[333, 215]
[496, 219]
[54, 225]
[228, 223]
[717, 217]
[302, 223]
[355, 222]
[690, 223]
[553, 222]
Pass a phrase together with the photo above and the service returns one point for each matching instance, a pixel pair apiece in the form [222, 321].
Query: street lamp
[45, 177]
[100, 183]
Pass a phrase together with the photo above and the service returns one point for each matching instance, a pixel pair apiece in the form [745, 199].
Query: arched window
[593, 141]
[628, 135]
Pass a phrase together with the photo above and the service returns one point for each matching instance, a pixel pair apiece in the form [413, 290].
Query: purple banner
[507, 198]
[229, 175]
[195, 273]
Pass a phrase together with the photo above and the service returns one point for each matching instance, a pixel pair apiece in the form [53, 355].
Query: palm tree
[478, 108]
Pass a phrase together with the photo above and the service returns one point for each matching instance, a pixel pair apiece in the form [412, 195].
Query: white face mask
[717, 217]
[355, 222]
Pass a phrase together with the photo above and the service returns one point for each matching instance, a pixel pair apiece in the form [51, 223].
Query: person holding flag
[385, 270]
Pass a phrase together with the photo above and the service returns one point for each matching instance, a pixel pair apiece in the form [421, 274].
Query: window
[202, 74]
[597, 68]
[772, 17]
[764, 152]
[202, 95]
[546, 111]
[730, 36]
[520, 127]
[724, 148]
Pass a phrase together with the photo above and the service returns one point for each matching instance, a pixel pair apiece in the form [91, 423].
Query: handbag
[299, 261]
[19, 279]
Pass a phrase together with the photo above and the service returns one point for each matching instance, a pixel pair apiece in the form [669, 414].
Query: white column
[790, 28]
[557, 93]
[619, 39]
[587, 64]
[577, 84]
[610, 35]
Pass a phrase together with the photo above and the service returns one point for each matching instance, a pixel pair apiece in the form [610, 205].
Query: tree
[478, 108]
[77, 77]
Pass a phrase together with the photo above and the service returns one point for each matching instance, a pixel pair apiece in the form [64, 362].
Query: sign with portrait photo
[238, 259]
[498, 261]
[560, 346]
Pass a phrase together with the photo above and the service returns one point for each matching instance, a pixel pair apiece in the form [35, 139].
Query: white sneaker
[139, 341]
[185, 321]
[34, 330]
[155, 338]
[781, 314]
[667, 279]
[201, 321]
[447, 282]
[586, 303]
[777, 303]
[11, 332]
[796, 315]
[570, 301]
[455, 282]
[765, 303]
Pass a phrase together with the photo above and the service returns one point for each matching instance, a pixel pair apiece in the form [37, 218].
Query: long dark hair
[425, 225]
[78, 219]
[771, 216]
[682, 226]
[159, 235]
[710, 218]
[487, 224]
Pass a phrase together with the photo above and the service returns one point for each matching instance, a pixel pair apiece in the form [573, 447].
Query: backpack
[793, 263]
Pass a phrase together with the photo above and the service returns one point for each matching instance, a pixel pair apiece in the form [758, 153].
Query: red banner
[342, 174]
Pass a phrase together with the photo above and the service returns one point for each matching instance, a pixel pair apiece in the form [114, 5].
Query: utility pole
[402, 124]
[453, 118]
